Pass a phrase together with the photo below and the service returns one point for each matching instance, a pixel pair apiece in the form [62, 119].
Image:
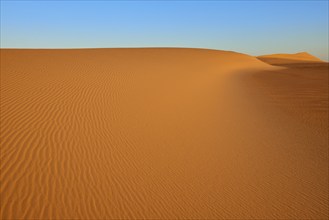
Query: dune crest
[160, 134]
[289, 58]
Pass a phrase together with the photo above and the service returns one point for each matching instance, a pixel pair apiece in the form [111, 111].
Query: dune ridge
[158, 134]
[289, 58]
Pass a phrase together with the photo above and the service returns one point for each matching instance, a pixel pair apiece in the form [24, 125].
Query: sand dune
[161, 134]
[289, 58]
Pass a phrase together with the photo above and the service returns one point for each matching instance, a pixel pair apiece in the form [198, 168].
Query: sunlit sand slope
[160, 134]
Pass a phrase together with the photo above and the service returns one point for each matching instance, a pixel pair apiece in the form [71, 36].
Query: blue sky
[252, 27]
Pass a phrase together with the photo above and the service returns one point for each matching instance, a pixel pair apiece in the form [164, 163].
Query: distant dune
[163, 133]
[289, 58]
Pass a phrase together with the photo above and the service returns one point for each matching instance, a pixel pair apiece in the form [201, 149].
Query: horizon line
[84, 48]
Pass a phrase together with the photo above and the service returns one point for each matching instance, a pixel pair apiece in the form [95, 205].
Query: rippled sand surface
[161, 134]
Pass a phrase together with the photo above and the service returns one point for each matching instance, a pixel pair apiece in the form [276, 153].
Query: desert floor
[162, 134]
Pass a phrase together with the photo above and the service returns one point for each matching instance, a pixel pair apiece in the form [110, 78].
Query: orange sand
[289, 58]
[161, 134]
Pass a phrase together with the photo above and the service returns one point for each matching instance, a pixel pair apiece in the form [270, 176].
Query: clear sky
[252, 27]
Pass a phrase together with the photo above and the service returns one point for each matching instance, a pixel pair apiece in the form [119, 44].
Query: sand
[279, 59]
[162, 134]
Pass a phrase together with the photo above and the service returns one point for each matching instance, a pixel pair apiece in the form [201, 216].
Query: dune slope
[289, 58]
[156, 134]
